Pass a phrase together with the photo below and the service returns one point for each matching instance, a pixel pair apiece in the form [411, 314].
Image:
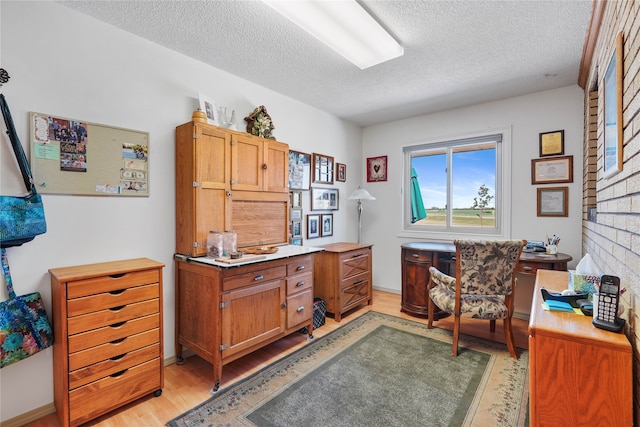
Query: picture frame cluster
[553, 167]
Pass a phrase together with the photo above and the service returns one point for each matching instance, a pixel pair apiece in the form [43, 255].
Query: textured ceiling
[457, 53]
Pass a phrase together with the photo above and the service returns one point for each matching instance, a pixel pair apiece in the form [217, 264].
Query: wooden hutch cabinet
[107, 320]
[228, 180]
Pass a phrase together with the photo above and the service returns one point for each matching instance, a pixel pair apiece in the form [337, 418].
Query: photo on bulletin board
[72, 156]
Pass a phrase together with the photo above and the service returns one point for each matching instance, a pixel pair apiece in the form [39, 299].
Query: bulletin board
[70, 156]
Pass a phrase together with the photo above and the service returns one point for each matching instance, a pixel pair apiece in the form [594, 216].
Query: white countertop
[285, 251]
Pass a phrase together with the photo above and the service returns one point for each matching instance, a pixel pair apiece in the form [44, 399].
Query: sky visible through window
[471, 169]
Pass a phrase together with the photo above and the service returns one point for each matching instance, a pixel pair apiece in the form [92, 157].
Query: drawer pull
[258, 277]
[118, 341]
[117, 276]
[118, 357]
[118, 292]
[415, 255]
[117, 325]
[527, 268]
[358, 282]
[120, 307]
[300, 283]
[300, 268]
[301, 308]
[117, 374]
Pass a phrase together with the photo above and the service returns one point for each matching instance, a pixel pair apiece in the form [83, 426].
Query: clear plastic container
[215, 244]
[230, 242]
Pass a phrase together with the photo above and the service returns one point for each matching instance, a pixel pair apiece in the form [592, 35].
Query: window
[456, 189]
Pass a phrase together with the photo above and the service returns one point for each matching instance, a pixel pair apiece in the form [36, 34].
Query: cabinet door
[415, 277]
[277, 171]
[251, 315]
[247, 163]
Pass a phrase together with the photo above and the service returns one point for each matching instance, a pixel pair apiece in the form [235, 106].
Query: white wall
[66, 64]
[526, 116]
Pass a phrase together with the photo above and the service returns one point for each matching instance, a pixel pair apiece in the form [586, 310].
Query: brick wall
[613, 238]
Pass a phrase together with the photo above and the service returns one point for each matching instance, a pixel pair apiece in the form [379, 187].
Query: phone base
[613, 327]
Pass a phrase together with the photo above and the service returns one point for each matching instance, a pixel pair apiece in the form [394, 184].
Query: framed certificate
[552, 143]
[552, 170]
[552, 201]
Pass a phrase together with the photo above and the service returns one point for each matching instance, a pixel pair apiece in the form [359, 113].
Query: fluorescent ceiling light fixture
[344, 26]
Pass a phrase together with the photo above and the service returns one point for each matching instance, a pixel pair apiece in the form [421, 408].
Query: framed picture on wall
[553, 201]
[323, 169]
[552, 170]
[299, 170]
[327, 225]
[341, 172]
[376, 169]
[613, 134]
[324, 199]
[313, 226]
[552, 143]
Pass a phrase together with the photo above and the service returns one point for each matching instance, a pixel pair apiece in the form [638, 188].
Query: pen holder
[552, 249]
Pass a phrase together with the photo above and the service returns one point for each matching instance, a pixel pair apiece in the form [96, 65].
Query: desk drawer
[299, 282]
[533, 267]
[354, 263]
[418, 256]
[354, 294]
[299, 308]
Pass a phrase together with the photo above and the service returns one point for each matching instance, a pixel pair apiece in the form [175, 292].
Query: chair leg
[492, 325]
[430, 309]
[456, 332]
[508, 336]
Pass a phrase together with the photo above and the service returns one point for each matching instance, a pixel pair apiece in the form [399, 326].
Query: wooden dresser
[342, 276]
[108, 349]
[579, 375]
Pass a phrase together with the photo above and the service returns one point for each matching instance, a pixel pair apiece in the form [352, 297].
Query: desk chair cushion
[476, 306]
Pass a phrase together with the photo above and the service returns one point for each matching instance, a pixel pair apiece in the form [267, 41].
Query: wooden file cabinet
[579, 375]
[108, 348]
[342, 276]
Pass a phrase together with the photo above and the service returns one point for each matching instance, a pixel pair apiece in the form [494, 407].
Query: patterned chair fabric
[485, 272]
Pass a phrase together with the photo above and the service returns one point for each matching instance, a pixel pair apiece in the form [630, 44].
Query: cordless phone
[608, 299]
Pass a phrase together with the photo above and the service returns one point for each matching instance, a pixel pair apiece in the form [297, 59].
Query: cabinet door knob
[264, 166]
[283, 305]
[301, 308]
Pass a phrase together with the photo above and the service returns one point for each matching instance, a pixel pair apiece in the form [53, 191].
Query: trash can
[319, 314]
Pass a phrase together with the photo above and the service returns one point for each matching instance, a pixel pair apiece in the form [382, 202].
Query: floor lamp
[360, 194]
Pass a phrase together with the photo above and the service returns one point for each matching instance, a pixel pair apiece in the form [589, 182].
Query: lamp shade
[361, 194]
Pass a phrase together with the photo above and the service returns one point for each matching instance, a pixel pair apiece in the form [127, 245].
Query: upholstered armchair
[483, 287]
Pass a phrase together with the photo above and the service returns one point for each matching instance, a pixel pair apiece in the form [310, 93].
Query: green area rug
[377, 370]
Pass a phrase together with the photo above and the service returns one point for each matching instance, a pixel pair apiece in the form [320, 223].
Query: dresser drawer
[98, 397]
[112, 332]
[111, 316]
[112, 365]
[417, 256]
[115, 298]
[300, 265]
[354, 280]
[533, 267]
[299, 308]
[115, 348]
[109, 283]
[253, 278]
[354, 263]
[354, 294]
[299, 282]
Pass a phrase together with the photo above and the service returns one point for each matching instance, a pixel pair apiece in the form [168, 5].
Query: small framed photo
[296, 215]
[296, 241]
[553, 201]
[341, 172]
[376, 169]
[299, 170]
[552, 143]
[324, 199]
[296, 199]
[552, 170]
[209, 107]
[313, 226]
[327, 225]
[323, 169]
[296, 229]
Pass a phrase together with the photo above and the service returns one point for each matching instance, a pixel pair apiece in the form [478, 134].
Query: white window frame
[502, 200]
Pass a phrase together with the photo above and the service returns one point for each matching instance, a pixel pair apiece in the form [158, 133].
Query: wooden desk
[417, 257]
[578, 374]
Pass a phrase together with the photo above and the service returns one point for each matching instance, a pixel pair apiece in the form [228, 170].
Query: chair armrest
[441, 279]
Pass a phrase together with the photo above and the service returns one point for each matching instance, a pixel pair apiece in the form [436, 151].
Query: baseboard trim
[29, 416]
[49, 408]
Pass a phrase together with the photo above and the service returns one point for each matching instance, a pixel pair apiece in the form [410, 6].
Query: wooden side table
[342, 276]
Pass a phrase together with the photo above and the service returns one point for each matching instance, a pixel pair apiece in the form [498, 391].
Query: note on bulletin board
[70, 156]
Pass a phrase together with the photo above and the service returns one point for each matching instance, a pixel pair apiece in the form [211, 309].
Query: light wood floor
[188, 385]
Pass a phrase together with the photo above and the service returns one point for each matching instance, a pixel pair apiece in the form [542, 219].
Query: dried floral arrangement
[259, 123]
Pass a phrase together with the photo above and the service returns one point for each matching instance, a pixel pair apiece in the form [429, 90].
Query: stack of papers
[553, 305]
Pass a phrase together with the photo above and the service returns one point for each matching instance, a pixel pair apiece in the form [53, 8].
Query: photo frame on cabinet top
[210, 109]
[612, 89]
